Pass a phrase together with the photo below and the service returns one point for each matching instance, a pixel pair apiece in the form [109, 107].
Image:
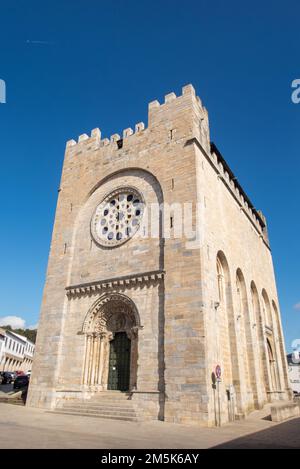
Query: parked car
[28, 373]
[21, 382]
[8, 377]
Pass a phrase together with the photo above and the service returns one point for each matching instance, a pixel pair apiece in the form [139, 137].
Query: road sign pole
[218, 375]
[219, 403]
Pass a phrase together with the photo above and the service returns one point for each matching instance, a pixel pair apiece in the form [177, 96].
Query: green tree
[30, 334]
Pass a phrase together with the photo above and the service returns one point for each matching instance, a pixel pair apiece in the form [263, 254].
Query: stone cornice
[126, 281]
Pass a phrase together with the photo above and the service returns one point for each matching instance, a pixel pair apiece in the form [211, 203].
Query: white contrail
[47, 43]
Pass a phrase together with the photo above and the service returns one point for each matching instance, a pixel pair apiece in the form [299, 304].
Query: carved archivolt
[111, 313]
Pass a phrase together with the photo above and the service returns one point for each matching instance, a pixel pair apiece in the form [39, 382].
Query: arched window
[272, 366]
[221, 281]
[267, 313]
[239, 293]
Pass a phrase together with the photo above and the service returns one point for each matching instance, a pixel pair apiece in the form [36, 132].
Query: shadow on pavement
[282, 436]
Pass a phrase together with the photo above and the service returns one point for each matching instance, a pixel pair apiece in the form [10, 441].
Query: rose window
[118, 217]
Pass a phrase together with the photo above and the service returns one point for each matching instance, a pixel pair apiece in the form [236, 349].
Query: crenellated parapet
[181, 119]
[177, 109]
[188, 95]
[170, 111]
[95, 141]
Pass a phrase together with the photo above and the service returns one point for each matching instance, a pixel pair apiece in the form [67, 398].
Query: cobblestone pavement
[23, 427]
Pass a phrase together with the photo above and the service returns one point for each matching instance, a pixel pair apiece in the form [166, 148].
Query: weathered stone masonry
[183, 310]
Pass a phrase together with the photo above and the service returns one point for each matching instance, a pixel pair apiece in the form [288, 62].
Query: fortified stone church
[148, 326]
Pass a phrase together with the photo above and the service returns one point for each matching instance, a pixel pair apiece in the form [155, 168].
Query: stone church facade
[131, 310]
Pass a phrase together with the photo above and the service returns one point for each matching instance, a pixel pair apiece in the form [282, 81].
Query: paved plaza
[24, 427]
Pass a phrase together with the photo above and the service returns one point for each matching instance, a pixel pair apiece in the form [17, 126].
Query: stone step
[110, 392]
[108, 404]
[14, 401]
[100, 402]
[118, 408]
[104, 398]
[96, 415]
[104, 411]
[111, 397]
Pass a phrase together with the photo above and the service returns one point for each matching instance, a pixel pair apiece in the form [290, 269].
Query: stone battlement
[200, 134]
[154, 107]
[95, 137]
[187, 90]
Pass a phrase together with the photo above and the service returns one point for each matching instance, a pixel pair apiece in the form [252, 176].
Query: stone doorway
[119, 363]
[111, 345]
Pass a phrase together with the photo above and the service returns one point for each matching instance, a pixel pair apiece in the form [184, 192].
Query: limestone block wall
[195, 313]
[237, 325]
[157, 162]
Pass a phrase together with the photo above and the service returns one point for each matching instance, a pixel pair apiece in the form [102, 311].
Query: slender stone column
[94, 354]
[101, 359]
[96, 364]
[278, 364]
[133, 336]
[106, 350]
[91, 359]
[90, 365]
[86, 359]
[267, 369]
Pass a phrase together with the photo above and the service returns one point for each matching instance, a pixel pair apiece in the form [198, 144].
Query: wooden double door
[119, 362]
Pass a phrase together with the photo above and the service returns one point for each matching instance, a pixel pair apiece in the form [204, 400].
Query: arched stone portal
[111, 318]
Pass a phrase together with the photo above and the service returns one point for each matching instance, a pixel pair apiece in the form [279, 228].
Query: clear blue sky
[100, 64]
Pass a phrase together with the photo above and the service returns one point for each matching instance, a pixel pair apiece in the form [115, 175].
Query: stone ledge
[142, 279]
[285, 411]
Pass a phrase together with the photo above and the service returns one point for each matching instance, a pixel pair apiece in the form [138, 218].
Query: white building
[28, 354]
[294, 370]
[2, 344]
[16, 352]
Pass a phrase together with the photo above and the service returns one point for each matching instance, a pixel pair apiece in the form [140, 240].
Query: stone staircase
[13, 397]
[114, 405]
